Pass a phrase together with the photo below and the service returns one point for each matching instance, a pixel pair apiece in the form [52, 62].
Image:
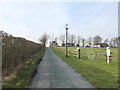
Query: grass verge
[23, 77]
[98, 73]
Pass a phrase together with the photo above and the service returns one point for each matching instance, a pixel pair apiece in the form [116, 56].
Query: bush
[15, 52]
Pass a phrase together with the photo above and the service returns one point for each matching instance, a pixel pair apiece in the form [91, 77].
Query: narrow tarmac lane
[55, 73]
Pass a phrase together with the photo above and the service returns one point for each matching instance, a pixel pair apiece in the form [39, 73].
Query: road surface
[55, 73]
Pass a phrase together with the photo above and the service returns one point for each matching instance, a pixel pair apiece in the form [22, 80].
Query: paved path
[55, 73]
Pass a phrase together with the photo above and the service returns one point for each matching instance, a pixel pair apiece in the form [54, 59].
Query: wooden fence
[93, 53]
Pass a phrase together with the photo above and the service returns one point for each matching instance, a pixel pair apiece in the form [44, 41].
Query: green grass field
[97, 72]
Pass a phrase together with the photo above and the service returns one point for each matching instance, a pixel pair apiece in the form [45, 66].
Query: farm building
[104, 45]
[68, 44]
[101, 45]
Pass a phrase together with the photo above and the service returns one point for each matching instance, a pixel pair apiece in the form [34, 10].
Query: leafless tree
[83, 42]
[111, 42]
[56, 40]
[72, 39]
[44, 39]
[69, 38]
[62, 38]
[90, 41]
[114, 42]
[79, 40]
[97, 40]
[106, 41]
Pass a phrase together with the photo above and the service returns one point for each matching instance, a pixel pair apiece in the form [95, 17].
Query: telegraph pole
[66, 27]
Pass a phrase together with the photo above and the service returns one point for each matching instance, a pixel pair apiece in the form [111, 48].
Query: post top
[66, 26]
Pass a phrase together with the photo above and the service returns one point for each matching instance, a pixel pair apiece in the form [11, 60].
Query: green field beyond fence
[100, 53]
[97, 71]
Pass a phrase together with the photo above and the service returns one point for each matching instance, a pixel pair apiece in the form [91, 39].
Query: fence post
[108, 54]
[78, 53]
[68, 53]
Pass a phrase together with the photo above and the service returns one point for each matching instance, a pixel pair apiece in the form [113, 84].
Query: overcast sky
[31, 19]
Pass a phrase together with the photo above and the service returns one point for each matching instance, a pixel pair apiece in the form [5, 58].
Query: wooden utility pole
[66, 27]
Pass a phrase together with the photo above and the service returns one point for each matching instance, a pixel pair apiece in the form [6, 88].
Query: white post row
[108, 54]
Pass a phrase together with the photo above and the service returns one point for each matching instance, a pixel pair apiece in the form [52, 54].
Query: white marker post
[108, 54]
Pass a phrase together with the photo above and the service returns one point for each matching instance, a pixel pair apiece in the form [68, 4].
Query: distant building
[104, 45]
[70, 44]
[101, 45]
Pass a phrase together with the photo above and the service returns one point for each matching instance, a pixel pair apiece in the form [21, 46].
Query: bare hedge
[15, 52]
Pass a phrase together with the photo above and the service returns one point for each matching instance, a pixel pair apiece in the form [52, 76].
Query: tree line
[79, 40]
[16, 51]
[90, 41]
